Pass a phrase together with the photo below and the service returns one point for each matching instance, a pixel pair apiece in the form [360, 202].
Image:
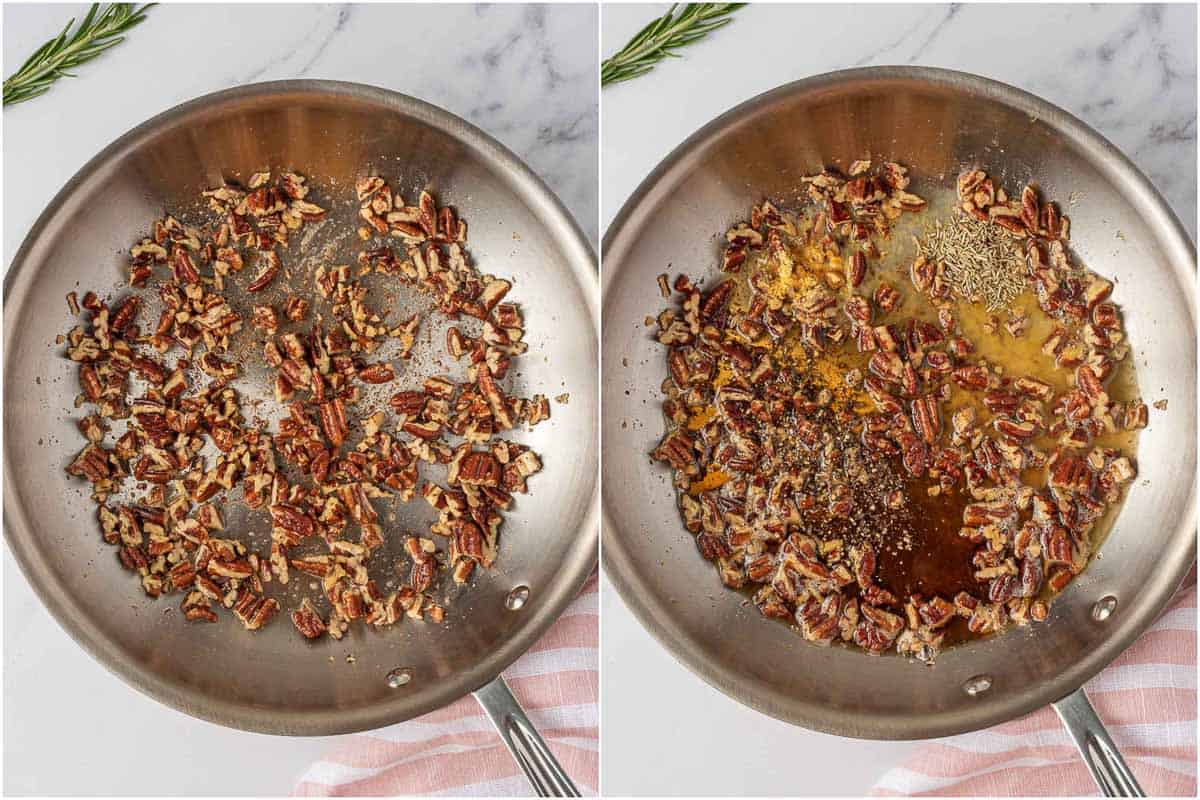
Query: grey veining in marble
[525, 74]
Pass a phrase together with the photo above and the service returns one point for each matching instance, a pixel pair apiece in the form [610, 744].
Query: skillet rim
[566, 582]
[656, 617]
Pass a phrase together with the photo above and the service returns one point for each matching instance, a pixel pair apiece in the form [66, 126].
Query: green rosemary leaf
[662, 37]
[101, 29]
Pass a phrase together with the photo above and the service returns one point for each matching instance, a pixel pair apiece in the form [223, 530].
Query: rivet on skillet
[399, 677]
[515, 600]
[1104, 608]
[977, 685]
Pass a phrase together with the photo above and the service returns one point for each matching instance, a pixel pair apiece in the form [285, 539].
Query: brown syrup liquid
[934, 560]
[938, 560]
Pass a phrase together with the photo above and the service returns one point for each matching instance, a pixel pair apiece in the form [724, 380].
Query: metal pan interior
[937, 122]
[273, 680]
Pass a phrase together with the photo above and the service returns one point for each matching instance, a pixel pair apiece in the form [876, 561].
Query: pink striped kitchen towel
[1146, 698]
[455, 751]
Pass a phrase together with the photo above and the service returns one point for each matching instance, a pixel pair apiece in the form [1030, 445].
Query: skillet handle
[1099, 752]
[523, 741]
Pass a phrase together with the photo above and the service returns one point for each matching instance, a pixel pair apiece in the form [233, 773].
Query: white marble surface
[1129, 71]
[526, 75]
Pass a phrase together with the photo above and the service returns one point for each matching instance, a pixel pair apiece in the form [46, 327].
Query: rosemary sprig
[100, 30]
[663, 36]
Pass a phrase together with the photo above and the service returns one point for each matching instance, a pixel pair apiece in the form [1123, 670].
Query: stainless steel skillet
[938, 122]
[274, 681]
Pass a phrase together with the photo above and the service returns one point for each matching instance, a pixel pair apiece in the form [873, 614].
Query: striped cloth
[455, 750]
[1146, 698]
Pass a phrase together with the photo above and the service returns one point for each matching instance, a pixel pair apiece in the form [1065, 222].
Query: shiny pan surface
[273, 680]
[937, 122]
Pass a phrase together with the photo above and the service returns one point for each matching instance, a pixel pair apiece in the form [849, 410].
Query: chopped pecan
[308, 621]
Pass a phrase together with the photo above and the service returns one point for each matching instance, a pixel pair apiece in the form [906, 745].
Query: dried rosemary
[982, 262]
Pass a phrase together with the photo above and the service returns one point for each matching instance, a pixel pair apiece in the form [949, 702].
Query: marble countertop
[526, 75]
[1129, 71]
